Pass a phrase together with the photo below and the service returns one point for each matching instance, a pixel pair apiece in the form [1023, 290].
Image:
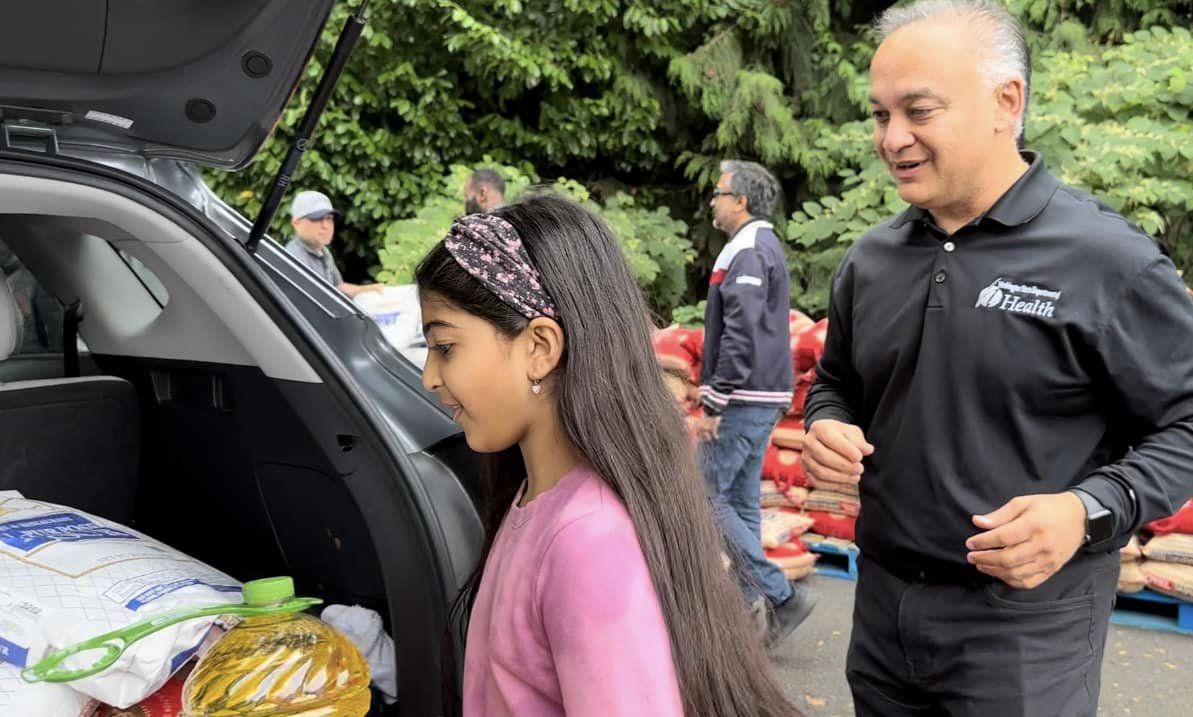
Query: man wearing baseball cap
[314, 222]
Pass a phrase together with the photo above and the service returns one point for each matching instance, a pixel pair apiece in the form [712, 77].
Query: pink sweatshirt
[566, 620]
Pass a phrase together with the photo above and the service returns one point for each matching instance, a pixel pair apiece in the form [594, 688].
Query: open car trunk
[222, 429]
[201, 80]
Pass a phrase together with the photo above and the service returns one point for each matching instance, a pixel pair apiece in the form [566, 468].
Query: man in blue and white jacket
[747, 380]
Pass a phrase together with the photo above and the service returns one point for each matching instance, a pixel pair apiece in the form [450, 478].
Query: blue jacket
[747, 331]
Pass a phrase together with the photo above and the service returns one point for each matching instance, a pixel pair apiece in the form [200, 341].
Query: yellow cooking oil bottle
[278, 664]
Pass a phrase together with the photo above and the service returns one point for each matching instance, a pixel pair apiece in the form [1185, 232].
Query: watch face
[1100, 527]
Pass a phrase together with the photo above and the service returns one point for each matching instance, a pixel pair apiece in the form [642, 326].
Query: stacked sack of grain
[781, 531]
[833, 507]
[782, 460]
[678, 351]
[1168, 568]
[784, 485]
[1130, 577]
[772, 497]
[808, 344]
[833, 497]
[783, 481]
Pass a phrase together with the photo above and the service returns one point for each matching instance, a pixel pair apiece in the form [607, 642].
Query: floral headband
[490, 250]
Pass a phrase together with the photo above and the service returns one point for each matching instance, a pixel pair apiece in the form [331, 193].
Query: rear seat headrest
[12, 324]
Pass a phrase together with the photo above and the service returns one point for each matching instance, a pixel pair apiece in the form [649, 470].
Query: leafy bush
[689, 314]
[649, 95]
[654, 243]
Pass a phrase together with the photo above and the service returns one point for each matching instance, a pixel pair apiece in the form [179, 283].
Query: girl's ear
[545, 338]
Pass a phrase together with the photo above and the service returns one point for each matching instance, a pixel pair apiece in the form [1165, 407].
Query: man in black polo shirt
[1008, 375]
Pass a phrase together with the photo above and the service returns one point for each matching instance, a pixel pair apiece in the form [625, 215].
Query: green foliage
[654, 243]
[575, 87]
[822, 230]
[1116, 123]
[803, 71]
[639, 100]
[1103, 19]
[581, 88]
[689, 314]
[406, 241]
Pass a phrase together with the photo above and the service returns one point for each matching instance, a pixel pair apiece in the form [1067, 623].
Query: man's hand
[1028, 539]
[833, 451]
[707, 427]
[355, 290]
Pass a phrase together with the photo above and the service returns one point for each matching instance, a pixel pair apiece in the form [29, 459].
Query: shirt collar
[307, 248]
[748, 222]
[1023, 202]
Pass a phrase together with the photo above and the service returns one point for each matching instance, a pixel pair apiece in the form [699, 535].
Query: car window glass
[40, 311]
[148, 279]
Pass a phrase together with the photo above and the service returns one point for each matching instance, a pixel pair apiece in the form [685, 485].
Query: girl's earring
[536, 386]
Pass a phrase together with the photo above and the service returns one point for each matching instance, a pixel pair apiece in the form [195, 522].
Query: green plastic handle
[114, 643]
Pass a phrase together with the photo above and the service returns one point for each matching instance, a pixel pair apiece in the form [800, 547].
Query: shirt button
[941, 277]
[949, 246]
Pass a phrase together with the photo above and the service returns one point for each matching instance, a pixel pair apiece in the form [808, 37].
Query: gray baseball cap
[312, 205]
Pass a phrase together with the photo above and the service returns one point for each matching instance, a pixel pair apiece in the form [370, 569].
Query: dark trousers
[980, 650]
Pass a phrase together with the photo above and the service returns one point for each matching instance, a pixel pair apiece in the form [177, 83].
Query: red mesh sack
[784, 468]
[1181, 522]
[679, 349]
[809, 346]
[832, 525]
[803, 384]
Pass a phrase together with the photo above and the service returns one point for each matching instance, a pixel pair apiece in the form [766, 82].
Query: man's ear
[545, 345]
[1011, 99]
[742, 204]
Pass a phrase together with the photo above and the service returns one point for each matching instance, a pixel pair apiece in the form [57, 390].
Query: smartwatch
[1099, 522]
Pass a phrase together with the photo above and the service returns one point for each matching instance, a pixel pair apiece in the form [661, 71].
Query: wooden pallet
[1149, 610]
[838, 558]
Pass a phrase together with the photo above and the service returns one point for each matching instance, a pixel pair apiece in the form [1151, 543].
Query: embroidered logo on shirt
[1024, 299]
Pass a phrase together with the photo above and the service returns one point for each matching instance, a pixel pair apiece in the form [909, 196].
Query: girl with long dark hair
[602, 590]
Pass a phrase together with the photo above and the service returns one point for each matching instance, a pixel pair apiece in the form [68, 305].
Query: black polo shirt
[1047, 344]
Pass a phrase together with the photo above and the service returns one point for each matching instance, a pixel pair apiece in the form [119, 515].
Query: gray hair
[754, 182]
[1006, 48]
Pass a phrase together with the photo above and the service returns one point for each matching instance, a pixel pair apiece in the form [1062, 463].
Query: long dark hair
[615, 408]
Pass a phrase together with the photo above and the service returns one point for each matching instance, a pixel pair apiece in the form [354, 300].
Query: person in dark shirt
[1008, 376]
[746, 383]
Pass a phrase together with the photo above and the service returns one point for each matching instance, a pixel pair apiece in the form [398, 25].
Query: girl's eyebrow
[438, 324]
